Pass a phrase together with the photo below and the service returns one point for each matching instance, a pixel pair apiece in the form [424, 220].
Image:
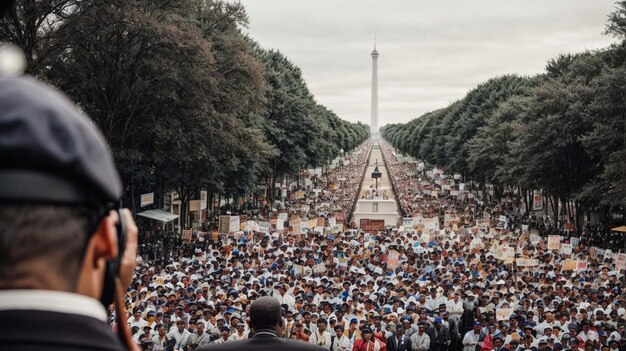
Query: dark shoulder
[276, 344]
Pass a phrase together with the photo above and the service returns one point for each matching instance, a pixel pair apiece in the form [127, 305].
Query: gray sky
[431, 52]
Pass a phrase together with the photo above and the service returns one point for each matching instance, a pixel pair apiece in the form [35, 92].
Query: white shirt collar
[52, 301]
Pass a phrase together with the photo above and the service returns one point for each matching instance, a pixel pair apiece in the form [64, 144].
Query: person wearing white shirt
[420, 341]
[321, 337]
[284, 298]
[455, 307]
[136, 321]
[340, 342]
[470, 340]
[240, 332]
[199, 338]
[180, 334]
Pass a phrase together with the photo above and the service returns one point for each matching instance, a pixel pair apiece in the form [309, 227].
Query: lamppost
[375, 175]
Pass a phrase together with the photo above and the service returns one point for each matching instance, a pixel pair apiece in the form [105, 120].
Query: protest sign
[554, 242]
[311, 223]
[581, 265]
[535, 239]
[566, 249]
[574, 242]
[224, 225]
[527, 262]
[620, 262]
[537, 203]
[319, 268]
[503, 314]
[186, 235]
[569, 265]
[264, 227]
[321, 222]
[332, 222]
[393, 259]
[235, 225]
[593, 252]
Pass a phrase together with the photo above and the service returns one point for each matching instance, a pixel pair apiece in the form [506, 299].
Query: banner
[223, 226]
[393, 259]
[554, 242]
[537, 203]
[372, 225]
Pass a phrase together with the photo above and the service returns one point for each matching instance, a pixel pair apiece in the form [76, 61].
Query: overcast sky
[431, 52]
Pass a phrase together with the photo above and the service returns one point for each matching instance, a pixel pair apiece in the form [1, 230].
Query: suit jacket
[392, 343]
[442, 336]
[29, 330]
[263, 340]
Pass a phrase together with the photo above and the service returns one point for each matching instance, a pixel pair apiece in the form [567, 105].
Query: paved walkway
[385, 192]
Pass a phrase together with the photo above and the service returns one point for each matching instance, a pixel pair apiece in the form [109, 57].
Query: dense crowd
[455, 276]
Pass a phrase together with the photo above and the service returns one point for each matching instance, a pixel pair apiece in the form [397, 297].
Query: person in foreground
[58, 229]
[267, 323]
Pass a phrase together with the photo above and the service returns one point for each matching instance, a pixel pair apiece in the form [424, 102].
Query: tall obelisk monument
[374, 123]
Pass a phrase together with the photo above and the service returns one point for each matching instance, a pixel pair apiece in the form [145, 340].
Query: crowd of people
[454, 277]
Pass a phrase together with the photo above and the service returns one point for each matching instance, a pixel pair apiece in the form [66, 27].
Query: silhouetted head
[265, 313]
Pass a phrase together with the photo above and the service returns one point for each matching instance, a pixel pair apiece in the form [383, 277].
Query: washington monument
[374, 122]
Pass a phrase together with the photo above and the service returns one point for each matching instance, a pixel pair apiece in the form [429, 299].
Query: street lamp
[375, 175]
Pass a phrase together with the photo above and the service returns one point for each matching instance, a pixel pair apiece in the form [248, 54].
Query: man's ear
[104, 239]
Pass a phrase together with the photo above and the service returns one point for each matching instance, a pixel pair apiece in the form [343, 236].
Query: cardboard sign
[332, 222]
[503, 314]
[393, 259]
[321, 222]
[554, 242]
[537, 203]
[319, 268]
[566, 249]
[311, 223]
[223, 226]
[569, 265]
[235, 225]
[535, 239]
[620, 263]
[527, 262]
[593, 252]
[264, 227]
[186, 235]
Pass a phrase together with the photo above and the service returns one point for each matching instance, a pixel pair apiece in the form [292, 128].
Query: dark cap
[51, 152]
